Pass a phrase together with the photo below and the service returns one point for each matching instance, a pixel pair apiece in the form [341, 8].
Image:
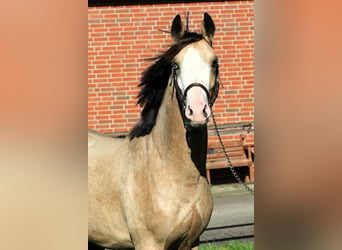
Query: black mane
[153, 83]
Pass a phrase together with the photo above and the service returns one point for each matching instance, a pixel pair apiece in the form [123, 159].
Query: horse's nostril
[205, 113]
[191, 112]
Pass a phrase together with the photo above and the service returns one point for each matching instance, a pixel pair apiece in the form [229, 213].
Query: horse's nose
[197, 113]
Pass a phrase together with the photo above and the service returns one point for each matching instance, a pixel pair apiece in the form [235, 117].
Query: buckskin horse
[149, 190]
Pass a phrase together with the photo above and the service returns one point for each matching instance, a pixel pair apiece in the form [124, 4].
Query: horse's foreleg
[149, 246]
[195, 245]
[149, 243]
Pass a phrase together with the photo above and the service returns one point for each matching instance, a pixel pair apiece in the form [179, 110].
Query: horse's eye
[215, 64]
[175, 66]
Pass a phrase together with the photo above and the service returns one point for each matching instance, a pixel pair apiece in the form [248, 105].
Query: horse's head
[195, 70]
[192, 66]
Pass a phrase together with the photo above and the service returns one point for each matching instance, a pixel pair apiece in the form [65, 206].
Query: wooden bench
[236, 151]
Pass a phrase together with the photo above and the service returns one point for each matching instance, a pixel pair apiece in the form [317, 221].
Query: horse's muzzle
[197, 109]
[197, 114]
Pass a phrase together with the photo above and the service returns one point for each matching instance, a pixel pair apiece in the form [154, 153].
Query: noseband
[182, 97]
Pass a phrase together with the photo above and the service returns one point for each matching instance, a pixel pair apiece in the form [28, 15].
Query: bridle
[182, 97]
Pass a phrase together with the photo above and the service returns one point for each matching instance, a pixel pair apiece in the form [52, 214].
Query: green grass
[228, 246]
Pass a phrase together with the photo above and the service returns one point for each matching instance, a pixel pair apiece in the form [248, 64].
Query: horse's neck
[170, 134]
[169, 131]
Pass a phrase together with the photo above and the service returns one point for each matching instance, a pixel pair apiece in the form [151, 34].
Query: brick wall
[121, 37]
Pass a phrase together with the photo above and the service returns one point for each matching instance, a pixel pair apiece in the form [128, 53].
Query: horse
[149, 190]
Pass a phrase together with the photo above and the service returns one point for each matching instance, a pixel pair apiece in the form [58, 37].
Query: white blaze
[194, 70]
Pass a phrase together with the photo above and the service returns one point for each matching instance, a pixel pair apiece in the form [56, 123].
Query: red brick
[120, 37]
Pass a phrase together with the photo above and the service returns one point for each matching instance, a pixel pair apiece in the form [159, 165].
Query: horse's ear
[177, 28]
[208, 27]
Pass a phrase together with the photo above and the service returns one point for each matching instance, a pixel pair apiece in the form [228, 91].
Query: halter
[182, 97]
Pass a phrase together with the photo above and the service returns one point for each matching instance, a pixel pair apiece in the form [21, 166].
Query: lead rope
[237, 177]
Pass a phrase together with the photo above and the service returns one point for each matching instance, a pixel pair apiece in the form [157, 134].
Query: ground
[233, 215]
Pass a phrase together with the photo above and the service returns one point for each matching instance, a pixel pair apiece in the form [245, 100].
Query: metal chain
[237, 177]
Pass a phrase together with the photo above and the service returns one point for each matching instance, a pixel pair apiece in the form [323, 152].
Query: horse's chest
[169, 212]
[183, 222]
